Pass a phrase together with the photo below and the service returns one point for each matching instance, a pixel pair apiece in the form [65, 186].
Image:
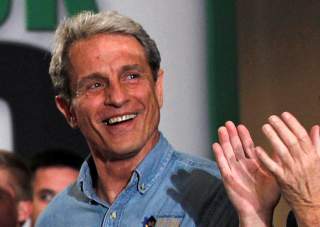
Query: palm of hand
[251, 188]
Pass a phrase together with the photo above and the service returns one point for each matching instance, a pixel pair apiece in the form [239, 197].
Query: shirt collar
[151, 167]
[153, 164]
[85, 179]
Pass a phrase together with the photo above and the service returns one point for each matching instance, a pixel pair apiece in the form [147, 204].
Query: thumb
[315, 137]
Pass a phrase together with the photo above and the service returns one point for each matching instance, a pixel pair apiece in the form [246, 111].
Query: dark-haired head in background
[52, 171]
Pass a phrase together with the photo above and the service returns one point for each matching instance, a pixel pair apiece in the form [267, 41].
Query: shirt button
[113, 215]
[142, 187]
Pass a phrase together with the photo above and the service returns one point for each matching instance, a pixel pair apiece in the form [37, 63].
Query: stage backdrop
[28, 117]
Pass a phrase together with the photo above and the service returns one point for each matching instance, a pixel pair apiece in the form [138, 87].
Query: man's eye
[132, 76]
[95, 85]
[46, 197]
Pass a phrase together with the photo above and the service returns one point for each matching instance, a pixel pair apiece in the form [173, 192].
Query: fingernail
[230, 123]
[266, 127]
[273, 118]
[220, 128]
[285, 115]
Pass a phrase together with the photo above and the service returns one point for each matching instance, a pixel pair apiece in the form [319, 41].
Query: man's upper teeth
[121, 118]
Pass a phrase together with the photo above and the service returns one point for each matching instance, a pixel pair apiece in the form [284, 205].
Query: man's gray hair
[87, 24]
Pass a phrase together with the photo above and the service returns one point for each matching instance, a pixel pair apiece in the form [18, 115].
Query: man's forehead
[110, 52]
[54, 168]
[53, 175]
[110, 39]
[108, 45]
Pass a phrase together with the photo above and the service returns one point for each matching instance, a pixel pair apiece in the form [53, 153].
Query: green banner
[42, 14]
[4, 10]
[222, 63]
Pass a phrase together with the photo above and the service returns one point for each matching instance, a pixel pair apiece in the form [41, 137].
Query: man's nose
[116, 95]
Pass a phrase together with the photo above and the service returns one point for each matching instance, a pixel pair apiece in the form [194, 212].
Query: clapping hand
[251, 188]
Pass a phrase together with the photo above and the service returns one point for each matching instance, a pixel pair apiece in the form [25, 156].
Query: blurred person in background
[8, 210]
[15, 190]
[52, 171]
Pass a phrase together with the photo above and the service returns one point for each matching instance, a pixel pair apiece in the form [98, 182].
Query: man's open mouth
[119, 119]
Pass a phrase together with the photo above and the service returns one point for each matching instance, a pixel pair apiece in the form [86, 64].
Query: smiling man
[106, 71]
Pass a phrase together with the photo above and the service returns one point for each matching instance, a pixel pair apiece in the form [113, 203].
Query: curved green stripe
[4, 10]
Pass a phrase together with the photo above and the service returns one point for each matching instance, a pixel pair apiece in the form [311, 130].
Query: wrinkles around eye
[90, 85]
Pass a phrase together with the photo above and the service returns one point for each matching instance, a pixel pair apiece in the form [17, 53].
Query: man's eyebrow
[92, 76]
[132, 67]
[46, 190]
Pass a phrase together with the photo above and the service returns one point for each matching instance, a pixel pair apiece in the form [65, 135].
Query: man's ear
[66, 109]
[24, 210]
[159, 87]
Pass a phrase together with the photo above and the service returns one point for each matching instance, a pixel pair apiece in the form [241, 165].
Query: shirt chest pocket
[164, 221]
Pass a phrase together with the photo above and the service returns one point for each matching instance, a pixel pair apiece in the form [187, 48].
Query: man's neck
[114, 175]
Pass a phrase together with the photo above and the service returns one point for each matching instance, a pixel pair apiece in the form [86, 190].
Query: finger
[285, 134]
[315, 137]
[235, 140]
[275, 157]
[277, 144]
[221, 160]
[226, 146]
[299, 131]
[247, 141]
[269, 164]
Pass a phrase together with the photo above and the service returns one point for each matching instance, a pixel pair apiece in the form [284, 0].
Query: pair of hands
[254, 180]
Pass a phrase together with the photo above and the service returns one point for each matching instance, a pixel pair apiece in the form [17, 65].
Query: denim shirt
[168, 188]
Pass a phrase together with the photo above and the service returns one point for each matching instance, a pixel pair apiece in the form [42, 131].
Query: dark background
[26, 87]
